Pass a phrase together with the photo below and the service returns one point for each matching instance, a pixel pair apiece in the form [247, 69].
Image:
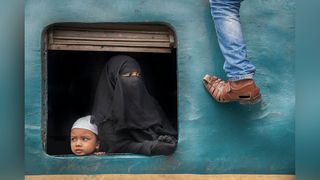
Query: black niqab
[125, 101]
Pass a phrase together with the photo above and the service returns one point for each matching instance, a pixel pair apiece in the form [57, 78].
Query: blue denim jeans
[226, 18]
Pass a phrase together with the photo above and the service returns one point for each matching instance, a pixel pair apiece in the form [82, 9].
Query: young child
[84, 137]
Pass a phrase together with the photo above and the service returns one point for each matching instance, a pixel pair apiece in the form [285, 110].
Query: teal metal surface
[213, 138]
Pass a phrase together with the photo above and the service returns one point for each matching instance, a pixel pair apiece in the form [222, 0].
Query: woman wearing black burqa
[129, 119]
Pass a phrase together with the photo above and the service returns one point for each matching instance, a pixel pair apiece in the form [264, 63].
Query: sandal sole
[251, 101]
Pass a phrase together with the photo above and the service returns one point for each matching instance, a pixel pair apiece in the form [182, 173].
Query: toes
[206, 79]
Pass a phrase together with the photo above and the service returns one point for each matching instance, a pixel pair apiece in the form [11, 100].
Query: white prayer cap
[84, 123]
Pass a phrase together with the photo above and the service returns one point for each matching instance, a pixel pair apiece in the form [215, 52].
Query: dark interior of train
[72, 77]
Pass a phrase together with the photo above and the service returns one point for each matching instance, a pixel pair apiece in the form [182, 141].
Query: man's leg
[226, 17]
[239, 70]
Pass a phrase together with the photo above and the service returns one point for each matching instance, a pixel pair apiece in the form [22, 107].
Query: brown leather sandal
[245, 91]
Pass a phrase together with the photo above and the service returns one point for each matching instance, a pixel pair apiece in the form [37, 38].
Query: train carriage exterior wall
[213, 138]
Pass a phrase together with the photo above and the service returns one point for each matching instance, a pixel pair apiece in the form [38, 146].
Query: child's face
[83, 141]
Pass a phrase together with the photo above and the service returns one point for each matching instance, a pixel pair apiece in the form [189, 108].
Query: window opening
[71, 75]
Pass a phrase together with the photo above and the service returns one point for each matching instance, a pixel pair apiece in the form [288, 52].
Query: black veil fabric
[125, 102]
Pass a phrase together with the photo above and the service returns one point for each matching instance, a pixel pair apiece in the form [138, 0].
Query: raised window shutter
[112, 37]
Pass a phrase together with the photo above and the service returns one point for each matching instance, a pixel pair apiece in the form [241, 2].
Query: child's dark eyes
[85, 139]
[73, 139]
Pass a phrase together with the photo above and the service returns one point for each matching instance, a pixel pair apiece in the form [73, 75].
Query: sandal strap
[222, 91]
